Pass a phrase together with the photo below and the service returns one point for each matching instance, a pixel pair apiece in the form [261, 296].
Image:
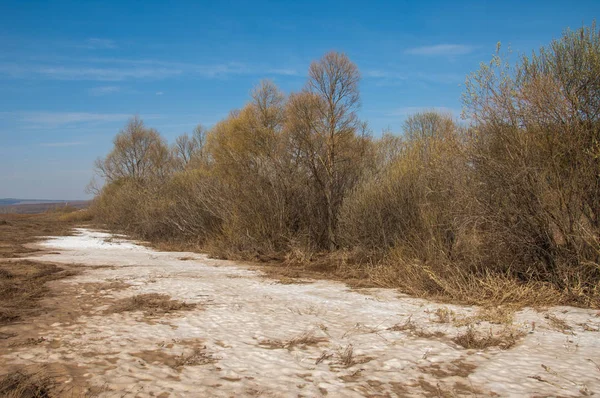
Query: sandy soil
[251, 336]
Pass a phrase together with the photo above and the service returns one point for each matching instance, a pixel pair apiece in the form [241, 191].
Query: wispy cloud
[283, 72]
[385, 74]
[104, 90]
[98, 44]
[120, 69]
[62, 118]
[159, 93]
[47, 120]
[441, 49]
[394, 78]
[61, 144]
[105, 74]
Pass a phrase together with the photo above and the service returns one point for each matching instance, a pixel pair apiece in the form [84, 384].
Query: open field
[121, 319]
[42, 207]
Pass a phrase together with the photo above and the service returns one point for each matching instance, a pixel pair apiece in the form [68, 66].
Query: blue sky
[73, 72]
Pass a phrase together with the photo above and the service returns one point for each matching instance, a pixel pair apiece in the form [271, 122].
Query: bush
[504, 210]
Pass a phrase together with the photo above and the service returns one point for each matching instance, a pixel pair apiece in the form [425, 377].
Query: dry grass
[198, 356]
[452, 284]
[444, 315]
[455, 368]
[302, 340]
[505, 339]
[346, 356]
[412, 329]
[19, 230]
[557, 323]
[498, 315]
[20, 384]
[78, 216]
[195, 357]
[150, 304]
[22, 285]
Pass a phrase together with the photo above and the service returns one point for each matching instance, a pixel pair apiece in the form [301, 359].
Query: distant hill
[13, 201]
[32, 206]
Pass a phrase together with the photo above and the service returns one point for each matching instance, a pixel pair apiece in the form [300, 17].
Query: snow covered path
[252, 336]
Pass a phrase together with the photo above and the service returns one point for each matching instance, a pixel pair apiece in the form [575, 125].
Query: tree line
[504, 207]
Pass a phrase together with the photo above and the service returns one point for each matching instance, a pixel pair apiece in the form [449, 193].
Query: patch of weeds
[455, 368]
[347, 356]
[198, 356]
[409, 325]
[150, 304]
[505, 339]
[498, 315]
[412, 329]
[22, 285]
[302, 340]
[444, 315]
[557, 323]
[20, 384]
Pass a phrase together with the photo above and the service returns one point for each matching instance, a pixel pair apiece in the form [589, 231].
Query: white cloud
[104, 90]
[441, 49]
[159, 93]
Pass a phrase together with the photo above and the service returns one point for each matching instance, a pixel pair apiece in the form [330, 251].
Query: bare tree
[323, 124]
[188, 150]
[428, 124]
[138, 153]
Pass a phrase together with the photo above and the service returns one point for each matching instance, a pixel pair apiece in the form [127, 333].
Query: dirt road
[248, 335]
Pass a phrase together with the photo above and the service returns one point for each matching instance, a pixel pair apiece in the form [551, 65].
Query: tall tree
[324, 125]
[138, 153]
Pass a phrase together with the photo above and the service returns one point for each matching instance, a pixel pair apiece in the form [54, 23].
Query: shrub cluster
[504, 207]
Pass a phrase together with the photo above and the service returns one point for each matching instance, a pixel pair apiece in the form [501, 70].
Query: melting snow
[252, 328]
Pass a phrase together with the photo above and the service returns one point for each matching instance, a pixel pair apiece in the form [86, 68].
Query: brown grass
[498, 315]
[22, 285]
[346, 356]
[17, 231]
[505, 339]
[197, 356]
[455, 368]
[444, 315]
[150, 304]
[412, 329]
[20, 384]
[78, 216]
[302, 340]
[557, 323]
